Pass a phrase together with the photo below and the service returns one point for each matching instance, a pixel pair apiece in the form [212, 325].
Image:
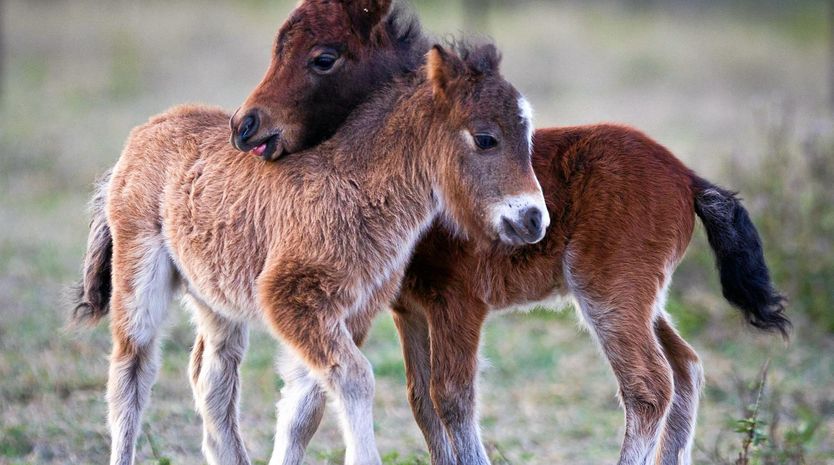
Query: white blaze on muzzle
[512, 212]
[511, 216]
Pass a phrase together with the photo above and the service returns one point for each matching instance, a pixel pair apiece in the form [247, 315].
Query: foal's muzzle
[526, 228]
[247, 137]
[248, 128]
[521, 219]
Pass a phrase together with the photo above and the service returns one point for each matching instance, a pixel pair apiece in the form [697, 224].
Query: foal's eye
[485, 141]
[325, 62]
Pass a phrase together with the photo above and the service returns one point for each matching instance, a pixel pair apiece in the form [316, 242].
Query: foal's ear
[443, 68]
[366, 14]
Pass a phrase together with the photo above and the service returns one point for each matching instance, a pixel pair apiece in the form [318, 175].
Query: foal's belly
[225, 282]
[556, 301]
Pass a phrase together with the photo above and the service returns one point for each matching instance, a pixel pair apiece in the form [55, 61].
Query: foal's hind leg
[215, 381]
[626, 334]
[143, 282]
[679, 431]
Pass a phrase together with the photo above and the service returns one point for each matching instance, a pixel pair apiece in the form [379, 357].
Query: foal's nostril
[533, 220]
[249, 127]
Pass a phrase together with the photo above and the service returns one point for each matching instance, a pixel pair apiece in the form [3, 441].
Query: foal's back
[612, 192]
[181, 185]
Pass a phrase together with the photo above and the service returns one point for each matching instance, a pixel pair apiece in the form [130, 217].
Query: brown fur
[314, 245]
[623, 211]
[299, 106]
[311, 106]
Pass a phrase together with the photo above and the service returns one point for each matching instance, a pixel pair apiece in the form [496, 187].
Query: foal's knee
[353, 379]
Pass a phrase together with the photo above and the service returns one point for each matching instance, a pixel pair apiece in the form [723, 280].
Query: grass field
[713, 85]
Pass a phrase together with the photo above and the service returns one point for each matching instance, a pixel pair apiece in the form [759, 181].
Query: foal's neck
[395, 161]
[398, 125]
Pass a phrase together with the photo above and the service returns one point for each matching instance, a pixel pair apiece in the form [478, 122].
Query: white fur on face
[526, 113]
[512, 209]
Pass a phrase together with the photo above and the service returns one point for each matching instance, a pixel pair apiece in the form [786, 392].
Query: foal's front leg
[306, 308]
[414, 336]
[215, 381]
[300, 411]
[302, 404]
[455, 330]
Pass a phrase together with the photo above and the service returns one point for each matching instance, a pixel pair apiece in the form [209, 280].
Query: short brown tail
[92, 295]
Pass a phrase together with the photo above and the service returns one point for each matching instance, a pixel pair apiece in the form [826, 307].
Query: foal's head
[328, 57]
[486, 180]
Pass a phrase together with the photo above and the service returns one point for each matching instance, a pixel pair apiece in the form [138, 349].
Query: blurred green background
[740, 90]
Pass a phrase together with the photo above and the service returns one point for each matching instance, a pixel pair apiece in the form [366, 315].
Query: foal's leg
[302, 403]
[215, 381]
[143, 283]
[626, 335]
[305, 307]
[414, 335]
[679, 431]
[455, 330]
[300, 411]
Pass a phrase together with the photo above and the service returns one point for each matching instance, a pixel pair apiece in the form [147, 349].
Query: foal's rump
[633, 216]
[631, 213]
[150, 148]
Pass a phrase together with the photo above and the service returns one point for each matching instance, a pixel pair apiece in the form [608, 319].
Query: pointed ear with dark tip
[365, 15]
[443, 68]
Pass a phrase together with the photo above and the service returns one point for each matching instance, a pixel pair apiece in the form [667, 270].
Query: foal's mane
[403, 28]
[405, 31]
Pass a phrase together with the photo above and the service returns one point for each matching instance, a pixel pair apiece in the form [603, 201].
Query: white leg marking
[299, 411]
[154, 287]
[215, 373]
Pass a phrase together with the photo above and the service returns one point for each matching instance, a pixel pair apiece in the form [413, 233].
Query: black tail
[92, 295]
[745, 280]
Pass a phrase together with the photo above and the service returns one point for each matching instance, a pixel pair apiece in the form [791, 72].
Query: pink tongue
[259, 150]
